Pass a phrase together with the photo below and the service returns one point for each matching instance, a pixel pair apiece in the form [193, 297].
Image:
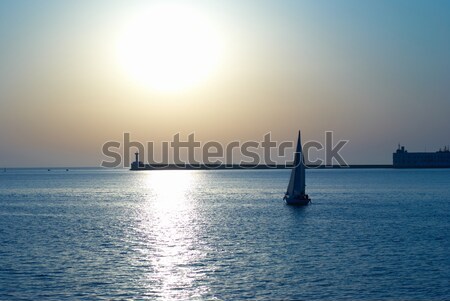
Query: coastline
[252, 166]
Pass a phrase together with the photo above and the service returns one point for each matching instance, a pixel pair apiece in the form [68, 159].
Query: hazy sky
[375, 72]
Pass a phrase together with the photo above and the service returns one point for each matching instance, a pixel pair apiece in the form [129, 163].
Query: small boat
[295, 194]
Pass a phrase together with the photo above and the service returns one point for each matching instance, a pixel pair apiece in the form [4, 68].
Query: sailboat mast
[302, 175]
[297, 181]
[300, 166]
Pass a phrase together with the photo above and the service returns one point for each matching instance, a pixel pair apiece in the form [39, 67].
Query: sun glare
[170, 48]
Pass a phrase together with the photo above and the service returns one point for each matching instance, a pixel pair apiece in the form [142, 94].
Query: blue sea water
[370, 234]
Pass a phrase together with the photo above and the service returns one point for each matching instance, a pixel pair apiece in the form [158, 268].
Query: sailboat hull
[298, 201]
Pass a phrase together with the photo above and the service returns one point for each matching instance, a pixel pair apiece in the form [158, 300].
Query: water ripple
[224, 235]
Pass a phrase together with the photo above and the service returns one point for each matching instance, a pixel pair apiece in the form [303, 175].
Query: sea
[102, 234]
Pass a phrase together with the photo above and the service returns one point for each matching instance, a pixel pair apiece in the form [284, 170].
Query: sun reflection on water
[168, 224]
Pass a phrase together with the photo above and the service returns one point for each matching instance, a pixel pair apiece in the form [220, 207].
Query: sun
[170, 47]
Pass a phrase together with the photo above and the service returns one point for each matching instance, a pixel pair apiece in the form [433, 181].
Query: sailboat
[295, 194]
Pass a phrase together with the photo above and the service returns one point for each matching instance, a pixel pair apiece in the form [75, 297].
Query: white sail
[296, 185]
[290, 190]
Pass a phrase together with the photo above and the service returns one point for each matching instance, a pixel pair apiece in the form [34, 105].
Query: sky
[76, 74]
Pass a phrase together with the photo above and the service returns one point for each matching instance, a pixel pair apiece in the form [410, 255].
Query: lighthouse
[136, 154]
[135, 164]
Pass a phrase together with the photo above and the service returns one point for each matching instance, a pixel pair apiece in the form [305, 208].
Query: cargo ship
[404, 159]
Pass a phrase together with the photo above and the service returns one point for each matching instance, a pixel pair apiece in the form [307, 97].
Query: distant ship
[404, 159]
[296, 194]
